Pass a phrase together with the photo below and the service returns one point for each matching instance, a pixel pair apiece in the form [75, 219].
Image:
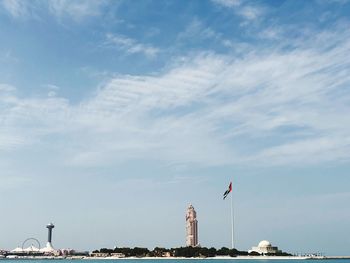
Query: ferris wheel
[31, 244]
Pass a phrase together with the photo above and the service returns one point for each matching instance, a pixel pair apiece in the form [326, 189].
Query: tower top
[50, 225]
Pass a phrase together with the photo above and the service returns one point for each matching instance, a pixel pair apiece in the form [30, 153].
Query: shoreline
[227, 258]
[183, 258]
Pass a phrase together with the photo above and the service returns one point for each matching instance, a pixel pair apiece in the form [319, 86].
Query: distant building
[49, 248]
[265, 247]
[36, 250]
[191, 227]
[106, 255]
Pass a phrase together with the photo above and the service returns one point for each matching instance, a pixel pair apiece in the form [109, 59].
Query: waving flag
[229, 190]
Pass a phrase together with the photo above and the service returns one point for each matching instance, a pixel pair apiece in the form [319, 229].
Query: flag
[228, 190]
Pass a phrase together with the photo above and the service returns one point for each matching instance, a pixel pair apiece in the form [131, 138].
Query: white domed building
[265, 247]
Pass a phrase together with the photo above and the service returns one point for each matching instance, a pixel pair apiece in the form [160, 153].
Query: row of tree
[178, 252]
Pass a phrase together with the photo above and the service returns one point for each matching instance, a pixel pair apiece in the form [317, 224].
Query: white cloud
[247, 11]
[316, 149]
[9, 141]
[52, 90]
[268, 107]
[196, 30]
[76, 9]
[6, 88]
[271, 33]
[130, 45]
[16, 8]
[250, 12]
[228, 3]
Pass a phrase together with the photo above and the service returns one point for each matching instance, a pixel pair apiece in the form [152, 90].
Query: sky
[116, 115]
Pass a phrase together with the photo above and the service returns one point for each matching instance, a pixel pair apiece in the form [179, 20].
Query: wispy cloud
[10, 141]
[16, 8]
[6, 88]
[228, 3]
[197, 30]
[130, 46]
[8, 58]
[76, 9]
[242, 8]
[250, 12]
[272, 106]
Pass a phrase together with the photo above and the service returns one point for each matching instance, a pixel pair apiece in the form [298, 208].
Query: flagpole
[232, 223]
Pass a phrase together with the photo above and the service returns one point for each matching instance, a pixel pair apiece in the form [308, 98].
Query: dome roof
[264, 243]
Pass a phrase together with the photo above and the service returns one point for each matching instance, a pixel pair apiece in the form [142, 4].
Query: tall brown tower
[191, 227]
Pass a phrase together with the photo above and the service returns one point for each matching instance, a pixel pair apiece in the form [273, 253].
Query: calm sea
[174, 261]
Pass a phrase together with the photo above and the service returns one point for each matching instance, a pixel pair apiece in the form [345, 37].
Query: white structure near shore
[48, 249]
[265, 247]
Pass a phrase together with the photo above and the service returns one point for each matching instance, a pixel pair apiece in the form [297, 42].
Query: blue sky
[115, 115]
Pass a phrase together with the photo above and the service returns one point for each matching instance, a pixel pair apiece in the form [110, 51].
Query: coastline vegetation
[187, 252]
